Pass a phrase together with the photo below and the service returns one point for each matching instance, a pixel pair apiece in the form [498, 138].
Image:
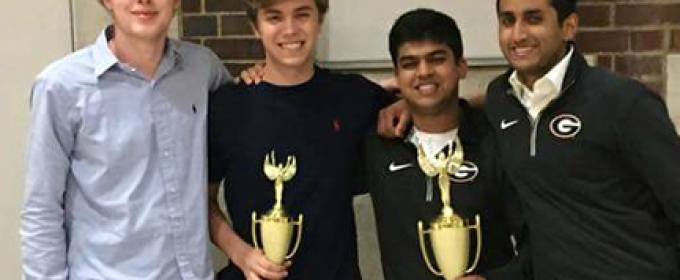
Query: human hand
[399, 112]
[256, 266]
[476, 99]
[390, 84]
[253, 75]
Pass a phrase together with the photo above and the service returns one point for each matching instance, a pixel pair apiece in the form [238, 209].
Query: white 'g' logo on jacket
[565, 126]
[466, 173]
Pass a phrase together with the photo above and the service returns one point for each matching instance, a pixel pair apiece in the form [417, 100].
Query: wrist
[236, 250]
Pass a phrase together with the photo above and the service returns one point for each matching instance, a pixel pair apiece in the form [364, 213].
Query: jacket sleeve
[519, 267]
[651, 147]
[51, 140]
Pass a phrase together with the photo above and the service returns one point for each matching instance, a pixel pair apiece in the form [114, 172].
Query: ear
[462, 68]
[570, 27]
[107, 4]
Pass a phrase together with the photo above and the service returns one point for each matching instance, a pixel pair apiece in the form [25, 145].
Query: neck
[439, 122]
[286, 76]
[530, 78]
[144, 55]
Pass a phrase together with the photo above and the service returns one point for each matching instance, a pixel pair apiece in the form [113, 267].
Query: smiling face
[141, 19]
[428, 74]
[532, 38]
[289, 30]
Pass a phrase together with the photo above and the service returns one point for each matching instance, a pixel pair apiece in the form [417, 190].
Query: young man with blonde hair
[115, 182]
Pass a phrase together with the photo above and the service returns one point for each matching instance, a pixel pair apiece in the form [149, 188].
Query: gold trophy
[276, 228]
[449, 234]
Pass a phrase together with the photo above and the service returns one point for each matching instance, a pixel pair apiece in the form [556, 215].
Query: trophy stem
[278, 192]
[445, 187]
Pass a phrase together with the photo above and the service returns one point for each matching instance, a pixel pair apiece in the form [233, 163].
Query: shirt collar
[104, 58]
[102, 55]
[554, 77]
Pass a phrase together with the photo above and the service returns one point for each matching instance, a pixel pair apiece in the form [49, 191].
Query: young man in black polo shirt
[300, 110]
[427, 53]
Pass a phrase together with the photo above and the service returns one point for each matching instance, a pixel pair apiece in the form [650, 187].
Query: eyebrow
[436, 52]
[269, 11]
[304, 9]
[432, 53]
[532, 11]
[527, 11]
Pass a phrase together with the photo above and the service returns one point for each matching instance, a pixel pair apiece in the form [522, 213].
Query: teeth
[427, 88]
[522, 50]
[292, 46]
[144, 14]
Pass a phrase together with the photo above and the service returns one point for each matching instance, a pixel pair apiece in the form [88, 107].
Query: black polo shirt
[399, 190]
[322, 122]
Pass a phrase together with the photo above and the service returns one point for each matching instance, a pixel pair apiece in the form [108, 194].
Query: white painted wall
[355, 32]
[34, 33]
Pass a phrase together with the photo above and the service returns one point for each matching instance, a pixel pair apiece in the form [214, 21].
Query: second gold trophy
[449, 233]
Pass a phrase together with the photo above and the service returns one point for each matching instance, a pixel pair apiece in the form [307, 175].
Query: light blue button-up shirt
[116, 176]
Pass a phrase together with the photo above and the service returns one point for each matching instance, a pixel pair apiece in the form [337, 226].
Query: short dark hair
[425, 25]
[253, 5]
[564, 8]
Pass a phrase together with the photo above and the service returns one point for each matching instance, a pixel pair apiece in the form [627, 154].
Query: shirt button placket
[163, 120]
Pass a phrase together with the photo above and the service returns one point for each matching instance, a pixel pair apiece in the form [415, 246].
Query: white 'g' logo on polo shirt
[565, 126]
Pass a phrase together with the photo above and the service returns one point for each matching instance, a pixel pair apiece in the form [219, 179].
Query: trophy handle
[253, 230]
[478, 228]
[297, 223]
[423, 248]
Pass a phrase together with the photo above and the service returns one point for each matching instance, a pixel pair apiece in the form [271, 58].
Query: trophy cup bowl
[450, 239]
[276, 231]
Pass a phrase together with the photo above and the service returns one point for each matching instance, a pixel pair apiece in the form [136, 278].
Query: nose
[424, 69]
[519, 31]
[290, 26]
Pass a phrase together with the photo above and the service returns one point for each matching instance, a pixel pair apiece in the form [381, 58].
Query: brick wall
[222, 26]
[631, 37]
